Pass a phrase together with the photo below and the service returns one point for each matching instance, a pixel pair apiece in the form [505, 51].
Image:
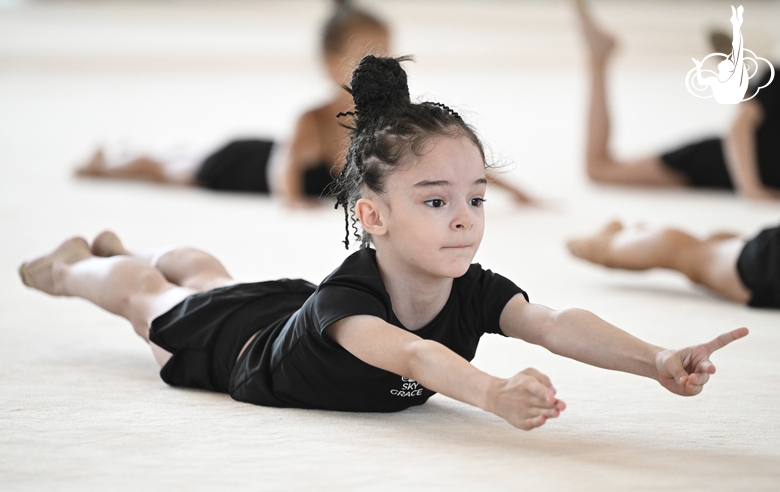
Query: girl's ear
[369, 214]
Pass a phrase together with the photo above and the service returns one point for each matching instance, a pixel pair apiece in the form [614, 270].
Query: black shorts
[759, 268]
[206, 331]
[702, 163]
[241, 165]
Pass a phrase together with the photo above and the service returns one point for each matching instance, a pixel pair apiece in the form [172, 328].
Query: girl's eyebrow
[432, 183]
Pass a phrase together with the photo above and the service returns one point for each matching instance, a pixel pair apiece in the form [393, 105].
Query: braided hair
[388, 131]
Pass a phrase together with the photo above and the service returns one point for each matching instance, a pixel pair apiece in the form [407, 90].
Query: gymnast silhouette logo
[729, 84]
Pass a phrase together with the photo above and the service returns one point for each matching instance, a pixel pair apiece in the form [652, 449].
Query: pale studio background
[81, 404]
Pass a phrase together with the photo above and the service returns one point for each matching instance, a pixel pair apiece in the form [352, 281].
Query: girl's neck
[416, 297]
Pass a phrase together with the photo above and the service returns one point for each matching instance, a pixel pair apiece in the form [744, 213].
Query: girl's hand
[685, 372]
[526, 400]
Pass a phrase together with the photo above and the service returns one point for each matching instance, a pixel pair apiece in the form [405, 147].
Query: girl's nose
[462, 219]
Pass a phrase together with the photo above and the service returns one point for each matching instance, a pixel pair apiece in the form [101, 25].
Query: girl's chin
[456, 269]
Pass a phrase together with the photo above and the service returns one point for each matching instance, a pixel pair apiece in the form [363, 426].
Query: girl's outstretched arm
[583, 336]
[525, 400]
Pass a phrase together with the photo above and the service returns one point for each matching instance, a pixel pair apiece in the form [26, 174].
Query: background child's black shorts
[241, 165]
[206, 331]
[759, 268]
[702, 163]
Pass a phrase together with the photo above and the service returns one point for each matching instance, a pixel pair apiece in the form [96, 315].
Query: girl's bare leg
[183, 266]
[601, 165]
[711, 262]
[141, 168]
[121, 284]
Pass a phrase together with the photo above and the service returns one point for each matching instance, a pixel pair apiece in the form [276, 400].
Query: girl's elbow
[416, 355]
[567, 316]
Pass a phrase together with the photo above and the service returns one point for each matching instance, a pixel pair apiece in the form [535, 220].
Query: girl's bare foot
[38, 273]
[95, 166]
[107, 244]
[596, 248]
[600, 43]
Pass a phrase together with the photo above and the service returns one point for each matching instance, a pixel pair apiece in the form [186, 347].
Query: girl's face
[432, 213]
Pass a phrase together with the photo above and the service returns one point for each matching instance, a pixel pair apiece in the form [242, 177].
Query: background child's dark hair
[343, 22]
[389, 129]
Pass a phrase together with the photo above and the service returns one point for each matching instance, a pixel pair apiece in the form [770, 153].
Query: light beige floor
[81, 405]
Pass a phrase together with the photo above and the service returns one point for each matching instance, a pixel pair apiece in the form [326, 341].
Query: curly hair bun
[379, 83]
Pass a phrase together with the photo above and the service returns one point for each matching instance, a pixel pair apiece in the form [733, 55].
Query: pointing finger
[725, 339]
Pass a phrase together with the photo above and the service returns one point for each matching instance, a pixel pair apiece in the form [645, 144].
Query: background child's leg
[711, 262]
[183, 266]
[598, 156]
[141, 168]
[601, 165]
[717, 268]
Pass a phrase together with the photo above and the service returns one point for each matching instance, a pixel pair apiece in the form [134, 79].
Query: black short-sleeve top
[768, 133]
[296, 364]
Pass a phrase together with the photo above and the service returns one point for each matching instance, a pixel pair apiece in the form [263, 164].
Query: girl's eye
[435, 203]
[477, 202]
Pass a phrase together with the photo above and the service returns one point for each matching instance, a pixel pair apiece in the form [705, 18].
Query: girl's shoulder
[360, 267]
[482, 284]
[353, 288]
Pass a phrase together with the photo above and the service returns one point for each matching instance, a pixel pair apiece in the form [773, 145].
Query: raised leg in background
[601, 165]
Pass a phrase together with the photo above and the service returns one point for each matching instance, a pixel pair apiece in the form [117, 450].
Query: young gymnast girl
[306, 166]
[746, 159]
[747, 272]
[299, 173]
[397, 321]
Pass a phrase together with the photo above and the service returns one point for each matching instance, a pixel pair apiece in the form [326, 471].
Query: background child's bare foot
[600, 43]
[95, 166]
[596, 248]
[38, 273]
[107, 244]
